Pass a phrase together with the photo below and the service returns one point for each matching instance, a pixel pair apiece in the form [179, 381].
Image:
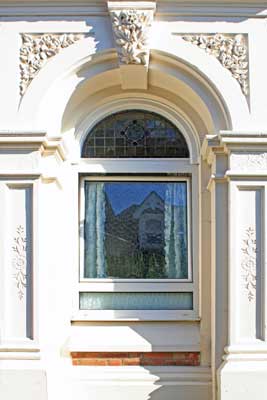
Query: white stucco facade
[49, 101]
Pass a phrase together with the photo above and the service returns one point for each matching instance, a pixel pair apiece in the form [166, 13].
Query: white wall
[40, 140]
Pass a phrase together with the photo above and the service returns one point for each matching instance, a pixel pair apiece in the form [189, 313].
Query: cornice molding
[37, 141]
[246, 148]
[173, 8]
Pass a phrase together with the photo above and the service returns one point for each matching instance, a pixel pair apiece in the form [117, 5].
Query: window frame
[117, 170]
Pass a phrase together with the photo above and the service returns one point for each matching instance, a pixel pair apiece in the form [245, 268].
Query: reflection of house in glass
[135, 242]
[150, 217]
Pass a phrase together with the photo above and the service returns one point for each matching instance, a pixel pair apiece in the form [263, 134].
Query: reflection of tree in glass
[139, 265]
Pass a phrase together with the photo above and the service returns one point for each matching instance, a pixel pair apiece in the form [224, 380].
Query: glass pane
[136, 230]
[136, 301]
[136, 134]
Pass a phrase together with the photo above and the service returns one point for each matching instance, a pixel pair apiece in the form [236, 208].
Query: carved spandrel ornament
[131, 31]
[35, 51]
[230, 50]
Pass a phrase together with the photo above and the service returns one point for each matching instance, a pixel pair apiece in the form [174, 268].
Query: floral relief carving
[248, 262]
[130, 28]
[37, 49]
[19, 261]
[230, 50]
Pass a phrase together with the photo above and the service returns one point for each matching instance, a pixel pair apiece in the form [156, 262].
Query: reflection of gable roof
[153, 202]
[128, 212]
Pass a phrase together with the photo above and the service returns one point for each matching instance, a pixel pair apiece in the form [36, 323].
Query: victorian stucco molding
[230, 50]
[131, 24]
[19, 261]
[249, 161]
[248, 262]
[31, 141]
[130, 28]
[36, 49]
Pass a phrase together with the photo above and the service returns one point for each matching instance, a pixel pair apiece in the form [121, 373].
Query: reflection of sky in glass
[124, 194]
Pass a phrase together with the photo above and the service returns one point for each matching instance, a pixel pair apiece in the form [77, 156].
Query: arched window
[135, 134]
[137, 219]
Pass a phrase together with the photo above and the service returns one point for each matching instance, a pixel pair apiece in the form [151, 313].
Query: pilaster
[216, 157]
[238, 161]
[26, 159]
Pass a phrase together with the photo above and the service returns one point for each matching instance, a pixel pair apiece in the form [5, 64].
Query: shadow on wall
[145, 385]
[184, 391]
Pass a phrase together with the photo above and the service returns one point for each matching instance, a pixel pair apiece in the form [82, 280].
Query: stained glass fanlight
[135, 134]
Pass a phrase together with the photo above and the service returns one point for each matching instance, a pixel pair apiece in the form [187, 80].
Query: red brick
[131, 361]
[134, 354]
[112, 354]
[135, 358]
[180, 356]
[114, 362]
[162, 355]
[92, 361]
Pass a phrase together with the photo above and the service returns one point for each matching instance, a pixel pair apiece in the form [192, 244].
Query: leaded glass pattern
[135, 134]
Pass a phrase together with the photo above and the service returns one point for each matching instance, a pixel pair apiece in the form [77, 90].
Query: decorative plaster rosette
[130, 28]
[36, 49]
[19, 261]
[248, 262]
[230, 50]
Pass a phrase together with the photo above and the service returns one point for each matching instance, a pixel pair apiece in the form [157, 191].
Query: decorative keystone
[131, 23]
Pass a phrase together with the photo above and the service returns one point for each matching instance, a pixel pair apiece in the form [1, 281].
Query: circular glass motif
[134, 132]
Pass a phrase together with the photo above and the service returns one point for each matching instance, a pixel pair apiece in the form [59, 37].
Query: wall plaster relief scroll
[248, 262]
[249, 161]
[36, 49]
[231, 51]
[131, 30]
[19, 261]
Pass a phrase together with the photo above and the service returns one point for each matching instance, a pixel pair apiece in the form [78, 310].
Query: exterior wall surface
[65, 67]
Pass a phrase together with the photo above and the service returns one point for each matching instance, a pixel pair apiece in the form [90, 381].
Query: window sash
[122, 178]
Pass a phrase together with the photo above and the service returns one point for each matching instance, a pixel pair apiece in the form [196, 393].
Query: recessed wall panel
[249, 239]
[18, 299]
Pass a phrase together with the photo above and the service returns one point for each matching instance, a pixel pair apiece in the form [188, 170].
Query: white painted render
[42, 130]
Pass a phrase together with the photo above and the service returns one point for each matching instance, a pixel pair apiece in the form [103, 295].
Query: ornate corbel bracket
[131, 24]
[231, 50]
[37, 49]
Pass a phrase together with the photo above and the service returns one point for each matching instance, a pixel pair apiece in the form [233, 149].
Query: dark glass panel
[136, 230]
[135, 134]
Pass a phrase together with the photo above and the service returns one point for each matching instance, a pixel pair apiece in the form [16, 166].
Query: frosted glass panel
[136, 230]
[136, 301]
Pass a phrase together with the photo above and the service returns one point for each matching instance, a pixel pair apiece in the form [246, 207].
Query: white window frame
[94, 170]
